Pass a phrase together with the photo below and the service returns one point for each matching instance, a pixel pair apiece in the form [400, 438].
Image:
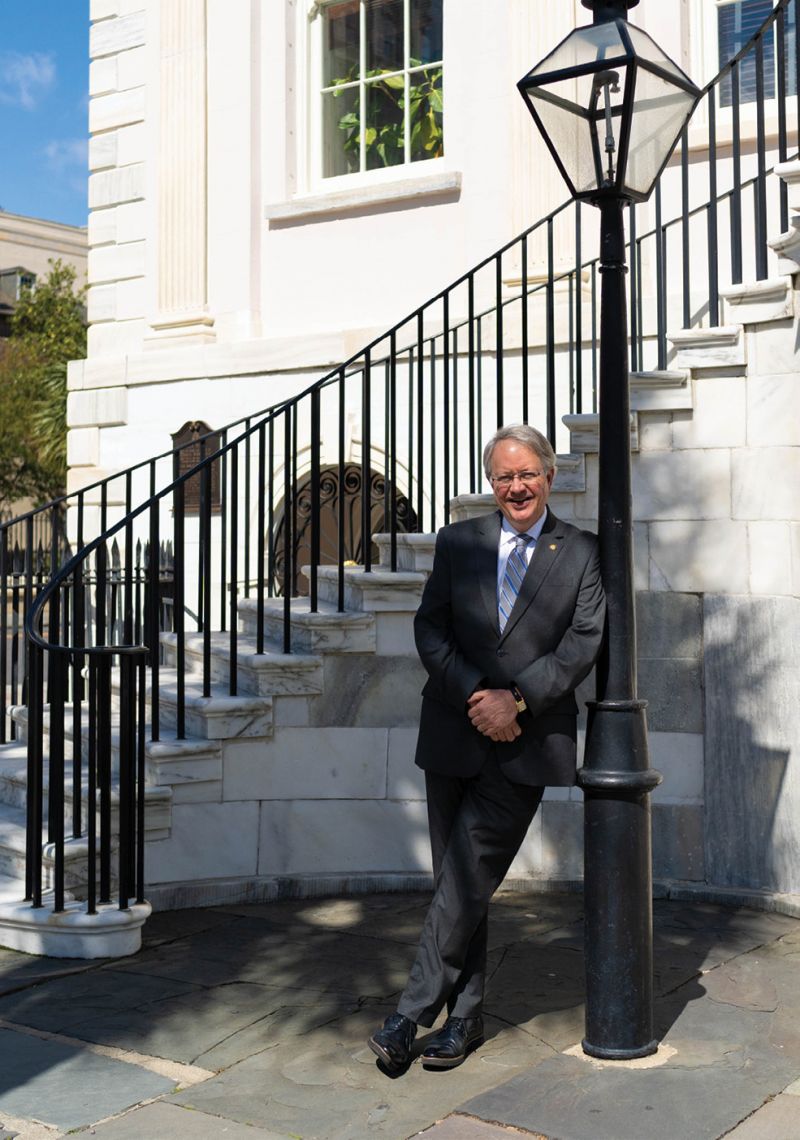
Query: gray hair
[526, 435]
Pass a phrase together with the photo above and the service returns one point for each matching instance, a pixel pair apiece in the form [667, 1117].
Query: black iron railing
[383, 442]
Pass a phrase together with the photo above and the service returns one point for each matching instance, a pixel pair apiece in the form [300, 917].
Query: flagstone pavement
[250, 1023]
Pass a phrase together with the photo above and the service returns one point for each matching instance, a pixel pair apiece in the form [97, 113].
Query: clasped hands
[494, 713]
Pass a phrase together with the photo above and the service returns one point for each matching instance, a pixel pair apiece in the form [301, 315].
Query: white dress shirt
[506, 545]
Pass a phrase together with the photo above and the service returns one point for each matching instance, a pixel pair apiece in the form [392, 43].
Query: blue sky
[44, 96]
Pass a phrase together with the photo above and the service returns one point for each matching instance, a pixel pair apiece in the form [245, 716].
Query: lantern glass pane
[647, 49]
[659, 114]
[576, 124]
[595, 43]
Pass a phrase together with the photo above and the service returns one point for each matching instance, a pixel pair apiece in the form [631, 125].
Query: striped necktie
[512, 579]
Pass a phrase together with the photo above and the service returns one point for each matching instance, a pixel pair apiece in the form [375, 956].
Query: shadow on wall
[752, 706]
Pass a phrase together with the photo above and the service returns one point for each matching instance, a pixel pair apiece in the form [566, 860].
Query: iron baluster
[233, 586]
[713, 260]
[446, 417]
[661, 323]
[247, 477]
[104, 772]
[340, 559]
[783, 148]
[222, 464]
[498, 309]
[366, 459]
[760, 187]
[685, 246]
[316, 444]
[524, 300]
[392, 483]
[262, 490]
[205, 593]
[140, 779]
[736, 194]
[578, 311]
[179, 611]
[471, 370]
[634, 286]
[288, 559]
[91, 790]
[153, 615]
[34, 802]
[550, 413]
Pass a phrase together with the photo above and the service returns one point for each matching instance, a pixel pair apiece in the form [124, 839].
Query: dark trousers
[477, 825]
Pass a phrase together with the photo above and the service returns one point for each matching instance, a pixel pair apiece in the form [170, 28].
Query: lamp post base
[619, 1054]
[616, 783]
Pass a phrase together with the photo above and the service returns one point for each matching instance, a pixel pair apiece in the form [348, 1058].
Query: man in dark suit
[510, 623]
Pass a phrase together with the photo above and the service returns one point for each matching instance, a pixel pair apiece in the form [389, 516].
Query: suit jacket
[552, 639]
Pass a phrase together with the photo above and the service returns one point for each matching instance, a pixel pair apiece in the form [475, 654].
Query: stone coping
[219, 892]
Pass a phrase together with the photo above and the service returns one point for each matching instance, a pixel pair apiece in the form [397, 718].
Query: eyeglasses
[526, 477]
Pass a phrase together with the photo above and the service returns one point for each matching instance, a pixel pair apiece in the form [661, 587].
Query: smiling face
[522, 501]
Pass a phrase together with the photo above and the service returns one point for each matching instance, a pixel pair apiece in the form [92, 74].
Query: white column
[182, 291]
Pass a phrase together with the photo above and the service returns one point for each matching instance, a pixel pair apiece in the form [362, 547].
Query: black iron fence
[382, 442]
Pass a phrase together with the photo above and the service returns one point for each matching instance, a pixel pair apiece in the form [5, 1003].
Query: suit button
[501, 653]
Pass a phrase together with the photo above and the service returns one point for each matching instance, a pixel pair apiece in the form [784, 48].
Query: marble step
[324, 631]
[271, 673]
[13, 825]
[216, 717]
[12, 854]
[414, 551]
[723, 346]
[12, 889]
[14, 790]
[168, 761]
[12, 841]
[661, 391]
[758, 302]
[377, 591]
[584, 432]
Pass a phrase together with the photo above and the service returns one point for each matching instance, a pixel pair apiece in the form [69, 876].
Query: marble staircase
[303, 782]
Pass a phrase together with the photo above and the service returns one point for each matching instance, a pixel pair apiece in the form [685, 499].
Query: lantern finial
[604, 10]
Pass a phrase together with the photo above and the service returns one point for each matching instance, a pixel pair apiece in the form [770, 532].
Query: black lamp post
[611, 106]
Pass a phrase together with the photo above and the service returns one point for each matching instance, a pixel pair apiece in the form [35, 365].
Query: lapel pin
[553, 546]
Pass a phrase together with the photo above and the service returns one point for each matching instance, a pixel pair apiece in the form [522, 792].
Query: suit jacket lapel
[486, 563]
[548, 549]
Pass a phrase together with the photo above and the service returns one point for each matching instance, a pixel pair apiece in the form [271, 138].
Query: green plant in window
[384, 135]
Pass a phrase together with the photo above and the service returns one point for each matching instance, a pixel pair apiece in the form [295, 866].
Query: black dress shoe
[392, 1044]
[450, 1046]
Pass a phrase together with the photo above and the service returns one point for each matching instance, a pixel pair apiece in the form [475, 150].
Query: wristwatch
[519, 700]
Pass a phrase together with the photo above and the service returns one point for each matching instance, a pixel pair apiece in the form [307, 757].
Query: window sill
[401, 191]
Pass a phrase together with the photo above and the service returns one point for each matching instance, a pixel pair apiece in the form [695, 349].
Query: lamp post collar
[604, 10]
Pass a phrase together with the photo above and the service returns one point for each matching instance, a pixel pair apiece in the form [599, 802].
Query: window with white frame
[737, 23]
[381, 86]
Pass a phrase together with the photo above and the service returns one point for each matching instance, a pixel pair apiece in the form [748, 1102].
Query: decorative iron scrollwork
[335, 496]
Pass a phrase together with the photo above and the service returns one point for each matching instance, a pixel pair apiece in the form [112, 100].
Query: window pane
[426, 98]
[426, 31]
[385, 111]
[385, 40]
[341, 132]
[738, 22]
[341, 34]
